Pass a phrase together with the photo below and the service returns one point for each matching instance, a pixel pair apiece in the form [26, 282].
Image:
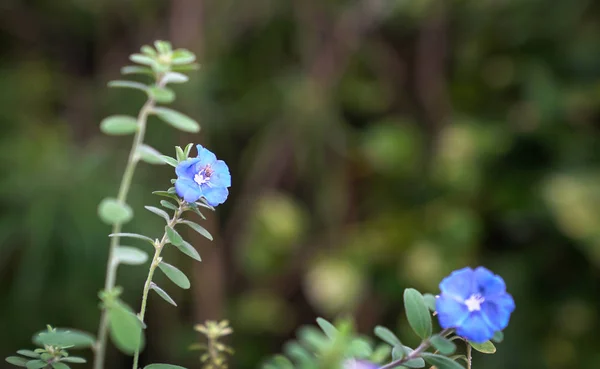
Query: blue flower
[475, 302]
[358, 364]
[203, 176]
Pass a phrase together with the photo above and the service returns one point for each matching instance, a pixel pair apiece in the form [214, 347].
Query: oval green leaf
[161, 94]
[142, 59]
[177, 120]
[443, 345]
[135, 69]
[417, 313]
[16, 360]
[150, 155]
[486, 347]
[117, 125]
[74, 360]
[168, 205]
[128, 84]
[441, 362]
[65, 338]
[161, 213]
[175, 275]
[112, 211]
[182, 56]
[189, 250]
[130, 255]
[198, 228]
[29, 353]
[165, 296]
[387, 335]
[169, 160]
[35, 364]
[163, 366]
[174, 77]
[125, 329]
[329, 329]
[429, 301]
[59, 365]
[173, 236]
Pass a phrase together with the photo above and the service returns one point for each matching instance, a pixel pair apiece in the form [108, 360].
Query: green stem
[416, 353]
[468, 355]
[155, 262]
[111, 267]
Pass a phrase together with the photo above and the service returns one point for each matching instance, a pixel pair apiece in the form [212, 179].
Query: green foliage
[175, 275]
[113, 211]
[214, 352]
[417, 313]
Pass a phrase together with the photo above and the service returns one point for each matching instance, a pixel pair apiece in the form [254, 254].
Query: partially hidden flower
[475, 303]
[203, 176]
[358, 364]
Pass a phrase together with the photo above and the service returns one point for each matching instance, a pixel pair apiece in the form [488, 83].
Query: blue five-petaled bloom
[475, 303]
[203, 176]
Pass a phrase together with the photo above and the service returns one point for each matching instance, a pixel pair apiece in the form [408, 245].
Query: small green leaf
[486, 347]
[182, 56]
[132, 235]
[125, 328]
[169, 160]
[417, 313]
[64, 338]
[185, 67]
[150, 155]
[180, 154]
[128, 84]
[59, 365]
[74, 360]
[163, 366]
[387, 336]
[16, 360]
[130, 255]
[188, 149]
[429, 301]
[175, 275]
[168, 205]
[148, 50]
[398, 352]
[165, 296]
[498, 337]
[174, 77]
[177, 120]
[173, 236]
[161, 213]
[163, 47]
[142, 59]
[112, 211]
[329, 329]
[441, 362]
[166, 194]
[29, 353]
[360, 348]
[443, 345]
[35, 364]
[118, 125]
[413, 363]
[198, 228]
[161, 94]
[136, 69]
[189, 250]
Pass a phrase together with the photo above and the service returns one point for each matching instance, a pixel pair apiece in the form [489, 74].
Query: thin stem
[155, 262]
[416, 353]
[111, 266]
[468, 355]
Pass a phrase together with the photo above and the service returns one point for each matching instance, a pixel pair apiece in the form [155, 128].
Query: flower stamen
[203, 176]
[474, 302]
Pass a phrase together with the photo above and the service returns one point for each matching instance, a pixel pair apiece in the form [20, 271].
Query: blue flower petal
[215, 195]
[488, 283]
[475, 328]
[205, 157]
[188, 189]
[451, 313]
[497, 311]
[187, 168]
[220, 176]
[460, 284]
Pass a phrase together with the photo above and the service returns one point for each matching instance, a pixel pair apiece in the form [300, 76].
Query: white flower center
[203, 176]
[474, 302]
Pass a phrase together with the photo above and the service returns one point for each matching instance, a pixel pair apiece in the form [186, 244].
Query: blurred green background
[374, 145]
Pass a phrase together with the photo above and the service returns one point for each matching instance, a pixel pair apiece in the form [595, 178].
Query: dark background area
[374, 145]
